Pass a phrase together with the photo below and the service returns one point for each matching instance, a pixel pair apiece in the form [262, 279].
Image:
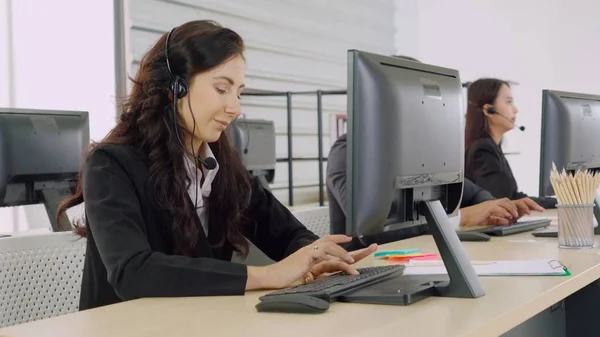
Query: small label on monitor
[43, 124]
[431, 88]
[427, 179]
[587, 110]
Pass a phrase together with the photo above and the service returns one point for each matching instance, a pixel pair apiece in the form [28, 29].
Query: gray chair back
[40, 276]
[315, 219]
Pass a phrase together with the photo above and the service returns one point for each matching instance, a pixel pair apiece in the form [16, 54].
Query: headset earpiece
[490, 110]
[179, 87]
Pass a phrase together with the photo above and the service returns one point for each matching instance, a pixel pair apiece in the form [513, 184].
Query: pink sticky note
[425, 257]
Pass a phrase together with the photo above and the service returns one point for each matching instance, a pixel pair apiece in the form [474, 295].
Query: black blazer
[130, 252]
[486, 166]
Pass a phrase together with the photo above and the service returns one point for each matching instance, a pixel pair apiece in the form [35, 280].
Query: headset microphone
[492, 111]
[209, 163]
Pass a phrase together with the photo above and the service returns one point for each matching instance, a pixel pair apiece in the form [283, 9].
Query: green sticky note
[397, 252]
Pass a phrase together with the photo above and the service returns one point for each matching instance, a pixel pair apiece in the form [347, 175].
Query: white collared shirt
[195, 174]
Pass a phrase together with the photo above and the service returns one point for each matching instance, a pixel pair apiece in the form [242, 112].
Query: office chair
[315, 219]
[40, 276]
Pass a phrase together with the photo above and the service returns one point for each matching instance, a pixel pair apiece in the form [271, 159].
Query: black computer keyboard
[518, 227]
[330, 287]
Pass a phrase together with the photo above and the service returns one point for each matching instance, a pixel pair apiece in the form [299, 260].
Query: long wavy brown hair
[481, 92]
[146, 123]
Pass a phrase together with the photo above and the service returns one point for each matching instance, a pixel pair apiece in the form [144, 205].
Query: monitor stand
[461, 280]
[51, 197]
[464, 281]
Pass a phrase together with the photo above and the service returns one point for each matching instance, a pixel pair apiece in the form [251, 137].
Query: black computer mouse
[473, 236]
[545, 234]
[292, 303]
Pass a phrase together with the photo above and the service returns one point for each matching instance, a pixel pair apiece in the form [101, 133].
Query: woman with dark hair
[167, 199]
[491, 113]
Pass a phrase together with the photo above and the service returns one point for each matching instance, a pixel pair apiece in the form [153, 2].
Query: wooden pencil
[576, 193]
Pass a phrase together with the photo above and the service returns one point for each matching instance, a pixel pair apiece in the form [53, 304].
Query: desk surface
[508, 302]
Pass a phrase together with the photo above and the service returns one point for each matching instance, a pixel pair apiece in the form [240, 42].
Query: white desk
[508, 302]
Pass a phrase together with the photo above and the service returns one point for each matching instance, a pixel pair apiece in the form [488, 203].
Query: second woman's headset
[492, 111]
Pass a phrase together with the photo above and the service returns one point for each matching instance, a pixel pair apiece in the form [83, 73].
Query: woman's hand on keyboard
[526, 205]
[492, 212]
[333, 266]
[325, 250]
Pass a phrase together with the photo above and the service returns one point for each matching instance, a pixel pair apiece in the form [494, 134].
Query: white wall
[4, 53]
[540, 44]
[63, 58]
[406, 22]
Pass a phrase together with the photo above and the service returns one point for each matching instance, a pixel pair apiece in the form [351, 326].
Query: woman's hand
[492, 212]
[285, 272]
[526, 205]
[335, 266]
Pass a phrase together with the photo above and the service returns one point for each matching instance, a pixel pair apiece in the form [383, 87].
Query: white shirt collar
[195, 175]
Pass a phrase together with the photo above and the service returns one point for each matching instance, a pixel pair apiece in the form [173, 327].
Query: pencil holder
[575, 226]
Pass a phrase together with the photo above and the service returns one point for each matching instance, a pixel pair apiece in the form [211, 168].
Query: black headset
[179, 88]
[492, 111]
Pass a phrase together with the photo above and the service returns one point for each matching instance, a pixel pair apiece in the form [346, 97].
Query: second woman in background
[491, 113]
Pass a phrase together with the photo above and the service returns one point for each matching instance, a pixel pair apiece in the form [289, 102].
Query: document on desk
[551, 267]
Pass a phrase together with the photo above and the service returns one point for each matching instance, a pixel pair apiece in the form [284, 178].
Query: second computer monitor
[405, 141]
[570, 136]
[254, 141]
[41, 152]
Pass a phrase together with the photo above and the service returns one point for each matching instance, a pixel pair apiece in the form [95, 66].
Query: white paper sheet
[492, 268]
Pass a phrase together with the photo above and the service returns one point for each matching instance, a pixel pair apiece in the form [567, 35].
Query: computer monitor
[570, 137]
[406, 155]
[254, 141]
[41, 152]
[404, 141]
